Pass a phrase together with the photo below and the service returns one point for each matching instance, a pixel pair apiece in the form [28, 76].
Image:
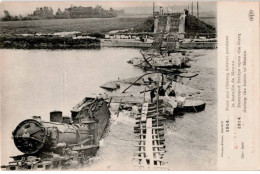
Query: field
[86, 25]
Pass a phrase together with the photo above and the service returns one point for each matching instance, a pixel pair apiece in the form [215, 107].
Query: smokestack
[197, 9]
[192, 8]
[56, 116]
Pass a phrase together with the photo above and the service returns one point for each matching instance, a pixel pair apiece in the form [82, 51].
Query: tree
[66, 14]
[7, 16]
[6, 13]
[58, 13]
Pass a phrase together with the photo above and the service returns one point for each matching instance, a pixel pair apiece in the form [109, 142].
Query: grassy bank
[87, 25]
[46, 42]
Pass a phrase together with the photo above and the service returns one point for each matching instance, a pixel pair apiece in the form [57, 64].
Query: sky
[130, 7]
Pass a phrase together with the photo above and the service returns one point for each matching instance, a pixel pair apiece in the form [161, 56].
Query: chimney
[56, 116]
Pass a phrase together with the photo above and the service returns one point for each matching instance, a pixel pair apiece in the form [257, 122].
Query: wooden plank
[152, 127]
[148, 142]
[158, 146]
[144, 111]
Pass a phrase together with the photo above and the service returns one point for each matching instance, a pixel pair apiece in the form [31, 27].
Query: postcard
[129, 85]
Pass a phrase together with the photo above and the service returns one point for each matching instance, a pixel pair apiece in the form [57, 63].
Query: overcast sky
[138, 7]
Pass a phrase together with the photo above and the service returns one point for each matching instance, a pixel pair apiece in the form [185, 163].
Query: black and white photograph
[109, 85]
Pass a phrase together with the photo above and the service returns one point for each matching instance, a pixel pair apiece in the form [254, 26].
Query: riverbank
[48, 42]
[88, 42]
[132, 43]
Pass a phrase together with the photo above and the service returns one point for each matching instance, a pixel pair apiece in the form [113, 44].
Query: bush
[97, 35]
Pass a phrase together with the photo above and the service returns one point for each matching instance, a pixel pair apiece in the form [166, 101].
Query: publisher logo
[251, 15]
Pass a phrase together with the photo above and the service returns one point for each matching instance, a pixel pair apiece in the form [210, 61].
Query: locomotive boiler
[62, 142]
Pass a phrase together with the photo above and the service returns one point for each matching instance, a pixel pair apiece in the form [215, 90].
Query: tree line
[67, 13]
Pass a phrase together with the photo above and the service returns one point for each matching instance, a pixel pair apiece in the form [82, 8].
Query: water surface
[36, 82]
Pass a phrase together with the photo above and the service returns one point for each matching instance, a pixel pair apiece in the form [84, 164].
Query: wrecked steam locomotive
[63, 142]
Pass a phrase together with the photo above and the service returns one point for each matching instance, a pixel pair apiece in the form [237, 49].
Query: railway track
[149, 131]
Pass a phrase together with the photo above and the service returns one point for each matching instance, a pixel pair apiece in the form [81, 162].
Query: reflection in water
[35, 82]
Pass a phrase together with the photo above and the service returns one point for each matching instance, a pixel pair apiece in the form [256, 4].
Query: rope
[194, 108]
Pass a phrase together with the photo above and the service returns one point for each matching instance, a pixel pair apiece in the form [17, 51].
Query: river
[36, 82]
